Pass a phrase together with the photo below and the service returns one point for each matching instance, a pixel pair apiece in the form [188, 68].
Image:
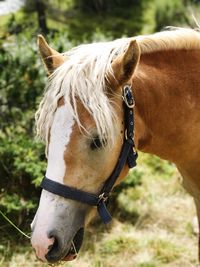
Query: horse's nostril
[54, 248]
[60, 250]
[50, 247]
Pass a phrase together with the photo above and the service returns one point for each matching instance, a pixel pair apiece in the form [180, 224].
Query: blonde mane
[83, 75]
[171, 39]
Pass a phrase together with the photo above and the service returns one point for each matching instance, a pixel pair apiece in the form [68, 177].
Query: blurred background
[152, 224]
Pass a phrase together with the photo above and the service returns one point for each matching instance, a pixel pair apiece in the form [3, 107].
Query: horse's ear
[51, 58]
[124, 65]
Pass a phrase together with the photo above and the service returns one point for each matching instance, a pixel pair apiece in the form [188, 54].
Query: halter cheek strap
[127, 155]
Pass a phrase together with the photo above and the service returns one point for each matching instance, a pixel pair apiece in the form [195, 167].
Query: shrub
[22, 159]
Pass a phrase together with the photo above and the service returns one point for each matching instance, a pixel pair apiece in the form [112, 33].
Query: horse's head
[81, 119]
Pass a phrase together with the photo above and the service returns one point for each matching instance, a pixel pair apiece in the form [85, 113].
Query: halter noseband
[127, 155]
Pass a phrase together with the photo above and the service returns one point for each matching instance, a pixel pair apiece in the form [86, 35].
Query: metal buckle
[126, 136]
[127, 90]
[103, 197]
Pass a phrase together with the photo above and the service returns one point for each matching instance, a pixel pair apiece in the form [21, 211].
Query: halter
[127, 155]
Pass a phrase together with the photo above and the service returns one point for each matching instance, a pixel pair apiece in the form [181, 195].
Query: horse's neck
[167, 92]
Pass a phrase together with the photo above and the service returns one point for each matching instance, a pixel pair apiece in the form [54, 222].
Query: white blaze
[49, 203]
[59, 138]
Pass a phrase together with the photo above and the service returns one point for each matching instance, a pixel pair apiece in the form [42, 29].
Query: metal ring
[125, 99]
[103, 197]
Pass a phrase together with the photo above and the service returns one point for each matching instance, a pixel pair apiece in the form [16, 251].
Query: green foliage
[22, 159]
[15, 203]
[156, 166]
[114, 18]
[169, 13]
[83, 19]
[133, 179]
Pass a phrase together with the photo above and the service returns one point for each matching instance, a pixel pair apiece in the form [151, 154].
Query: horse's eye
[96, 143]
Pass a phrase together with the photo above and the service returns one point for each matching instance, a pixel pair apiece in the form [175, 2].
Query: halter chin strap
[127, 155]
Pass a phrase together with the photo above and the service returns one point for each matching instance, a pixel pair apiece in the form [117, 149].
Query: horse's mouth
[72, 254]
[75, 246]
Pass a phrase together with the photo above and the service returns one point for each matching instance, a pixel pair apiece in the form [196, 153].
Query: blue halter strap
[128, 155]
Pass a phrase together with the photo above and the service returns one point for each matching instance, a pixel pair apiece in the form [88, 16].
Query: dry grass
[161, 237]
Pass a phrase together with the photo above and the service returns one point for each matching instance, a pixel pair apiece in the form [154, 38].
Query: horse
[81, 119]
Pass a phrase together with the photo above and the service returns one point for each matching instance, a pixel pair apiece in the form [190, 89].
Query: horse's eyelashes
[96, 143]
